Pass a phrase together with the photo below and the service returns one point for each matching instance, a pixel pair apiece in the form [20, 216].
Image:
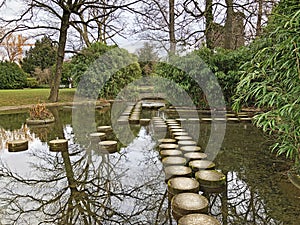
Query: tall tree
[42, 55]
[164, 24]
[148, 58]
[229, 25]
[209, 20]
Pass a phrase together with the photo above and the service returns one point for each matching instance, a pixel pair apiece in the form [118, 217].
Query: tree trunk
[172, 49]
[209, 19]
[259, 17]
[228, 25]
[63, 31]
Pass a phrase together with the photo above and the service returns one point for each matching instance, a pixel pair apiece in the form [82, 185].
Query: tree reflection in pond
[82, 187]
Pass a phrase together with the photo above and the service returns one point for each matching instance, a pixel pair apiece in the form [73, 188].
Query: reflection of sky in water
[131, 183]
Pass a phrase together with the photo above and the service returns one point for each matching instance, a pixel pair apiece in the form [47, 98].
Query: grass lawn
[32, 96]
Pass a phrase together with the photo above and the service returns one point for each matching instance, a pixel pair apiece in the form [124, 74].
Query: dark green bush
[103, 70]
[31, 82]
[11, 76]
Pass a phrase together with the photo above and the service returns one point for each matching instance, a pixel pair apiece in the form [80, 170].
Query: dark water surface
[83, 186]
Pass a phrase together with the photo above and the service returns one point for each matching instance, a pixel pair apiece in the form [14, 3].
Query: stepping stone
[183, 138]
[167, 146]
[177, 130]
[144, 122]
[198, 219]
[197, 165]
[174, 127]
[173, 160]
[177, 171]
[246, 119]
[190, 148]
[108, 146]
[188, 203]
[105, 129]
[97, 136]
[179, 185]
[211, 180]
[167, 141]
[233, 119]
[187, 143]
[206, 120]
[195, 156]
[58, 145]
[17, 145]
[175, 134]
[166, 153]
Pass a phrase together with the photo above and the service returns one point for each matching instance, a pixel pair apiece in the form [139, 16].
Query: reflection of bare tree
[79, 187]
[240, 204]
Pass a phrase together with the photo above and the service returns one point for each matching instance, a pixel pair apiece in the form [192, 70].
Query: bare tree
[165, 24]
[229, 23]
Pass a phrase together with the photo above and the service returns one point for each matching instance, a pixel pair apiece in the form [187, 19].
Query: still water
[82, 186]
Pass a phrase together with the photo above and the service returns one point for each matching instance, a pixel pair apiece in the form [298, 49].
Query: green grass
[32, 96]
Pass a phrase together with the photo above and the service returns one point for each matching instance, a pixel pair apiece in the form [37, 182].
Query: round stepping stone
[97, 136]
[175, 127]
[179, 185]
[177, 171]
[246, 119]
[220, 119]
[173, 160]
[58, 145]
[198, 219]
[195, 156]
[177, 130]
[188, 203]
[144, 122]
[190, 148]
[167, 141]
[187, 143]
[171, 121]
[211, 180]
[183, 138]
[192, 120]
[175, 134]
[166, 153]
[167, 146]
[230, 115]
[17, 145]
[233, 119]
[104, 129]
[134, 120]
[202, 165]
[206, 120]
[108, 146]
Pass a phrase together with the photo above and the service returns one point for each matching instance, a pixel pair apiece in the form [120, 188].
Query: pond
[84, 186]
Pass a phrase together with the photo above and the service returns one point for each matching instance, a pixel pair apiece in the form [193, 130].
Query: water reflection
[83, 186]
